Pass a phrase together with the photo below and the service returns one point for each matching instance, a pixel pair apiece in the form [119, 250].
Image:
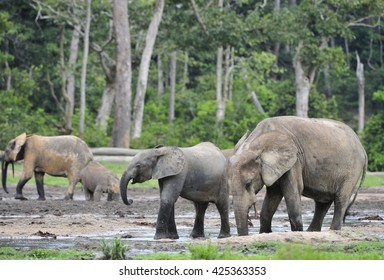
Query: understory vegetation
[279, 251]
[367, 250]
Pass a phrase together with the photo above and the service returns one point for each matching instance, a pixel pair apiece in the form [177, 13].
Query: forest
[138, 73]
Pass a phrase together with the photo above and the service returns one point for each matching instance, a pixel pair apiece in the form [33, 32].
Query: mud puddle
[141, 235]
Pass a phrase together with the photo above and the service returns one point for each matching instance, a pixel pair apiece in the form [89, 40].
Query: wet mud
[81, 225]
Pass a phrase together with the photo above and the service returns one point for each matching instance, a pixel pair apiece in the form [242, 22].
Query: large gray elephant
[317, 158]
[196, 173]
[96, 180]
[62, 156]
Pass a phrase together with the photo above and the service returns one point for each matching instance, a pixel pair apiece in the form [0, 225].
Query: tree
[360, 89]
[84, 69]
[144, 69]
[122, 121]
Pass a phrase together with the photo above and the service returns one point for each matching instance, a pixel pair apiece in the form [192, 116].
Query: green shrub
[114, 250]
[372, 139]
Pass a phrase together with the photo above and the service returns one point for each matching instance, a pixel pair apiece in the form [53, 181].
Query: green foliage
[372, 250]
[7, 253]
[93, 135]
[264, 40]
[204, 252]
[114, 250]
[372, 139]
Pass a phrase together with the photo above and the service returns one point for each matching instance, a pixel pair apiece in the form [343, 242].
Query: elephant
[292, 156]
[63, 156]
[195, 173]
[228, 153]
[97, 179]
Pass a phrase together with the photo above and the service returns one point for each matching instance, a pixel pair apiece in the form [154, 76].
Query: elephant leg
[165, 226]
[171, 225]
[88, 195]
[341, 204]
[320, 210]
[292, 186]
[198, 228]
[223, 208]
[165, 222]
[272, 199]
[25, 177]
[97, 193]
[39, 178]
[71, 188]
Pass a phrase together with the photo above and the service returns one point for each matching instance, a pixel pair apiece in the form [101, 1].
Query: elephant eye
[138, 166]
[248, 186]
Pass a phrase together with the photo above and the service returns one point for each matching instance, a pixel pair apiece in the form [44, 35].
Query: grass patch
[373, 181]
[116, 167]
[278, 251]
[8, 253]
[119, 167]
[114, 250]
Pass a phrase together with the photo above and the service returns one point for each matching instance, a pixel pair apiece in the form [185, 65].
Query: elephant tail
[363, 173]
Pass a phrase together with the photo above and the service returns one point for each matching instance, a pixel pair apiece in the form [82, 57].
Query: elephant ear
[279, 155]
[171, 161]
[19, 142]
[242, 140]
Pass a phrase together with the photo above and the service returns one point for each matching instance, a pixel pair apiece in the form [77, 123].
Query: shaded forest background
[141, 73]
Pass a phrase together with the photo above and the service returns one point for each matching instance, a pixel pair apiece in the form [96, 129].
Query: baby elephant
[196, 173]
[96, 179]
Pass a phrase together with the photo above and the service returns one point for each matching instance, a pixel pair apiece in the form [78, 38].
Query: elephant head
[13, 152]
[258, 161]
[155, 163]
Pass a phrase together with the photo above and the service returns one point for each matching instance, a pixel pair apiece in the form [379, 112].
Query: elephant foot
[197, 234]
[68, 197]
[224, 235]
[41, 198]
[166, 236]
[20, 197]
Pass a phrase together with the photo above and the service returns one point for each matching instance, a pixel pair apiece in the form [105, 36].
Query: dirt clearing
[81, 224]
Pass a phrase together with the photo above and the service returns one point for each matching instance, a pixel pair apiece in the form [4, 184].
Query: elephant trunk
[4, 168]
[123, 188]
[241, 217]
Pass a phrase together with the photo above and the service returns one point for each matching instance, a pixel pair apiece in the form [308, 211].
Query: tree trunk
[144, 69]
[71, 85]
[360, 86]
[122, 121]
[106, 105]
[172, 94]
[327, 81]
[185, 71]
[303, 84]
[220, 101]
[160, 74]
[84, 69]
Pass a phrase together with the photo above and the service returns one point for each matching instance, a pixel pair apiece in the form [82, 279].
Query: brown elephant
[292, 156]
[97, 179]
[62, 156]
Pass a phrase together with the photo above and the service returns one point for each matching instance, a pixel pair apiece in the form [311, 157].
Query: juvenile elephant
[62, 156]
[196, 173]
[317, 158]
[97, 179]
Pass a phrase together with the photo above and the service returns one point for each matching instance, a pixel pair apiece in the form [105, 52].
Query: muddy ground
[81, 224]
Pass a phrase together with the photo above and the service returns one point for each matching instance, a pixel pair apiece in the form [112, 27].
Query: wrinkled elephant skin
[196, 173]
[96, 180]
[62, 156]
[292, 156]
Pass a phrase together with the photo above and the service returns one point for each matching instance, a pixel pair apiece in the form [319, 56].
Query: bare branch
[52, 91]
[198, 16]
[360, 22]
